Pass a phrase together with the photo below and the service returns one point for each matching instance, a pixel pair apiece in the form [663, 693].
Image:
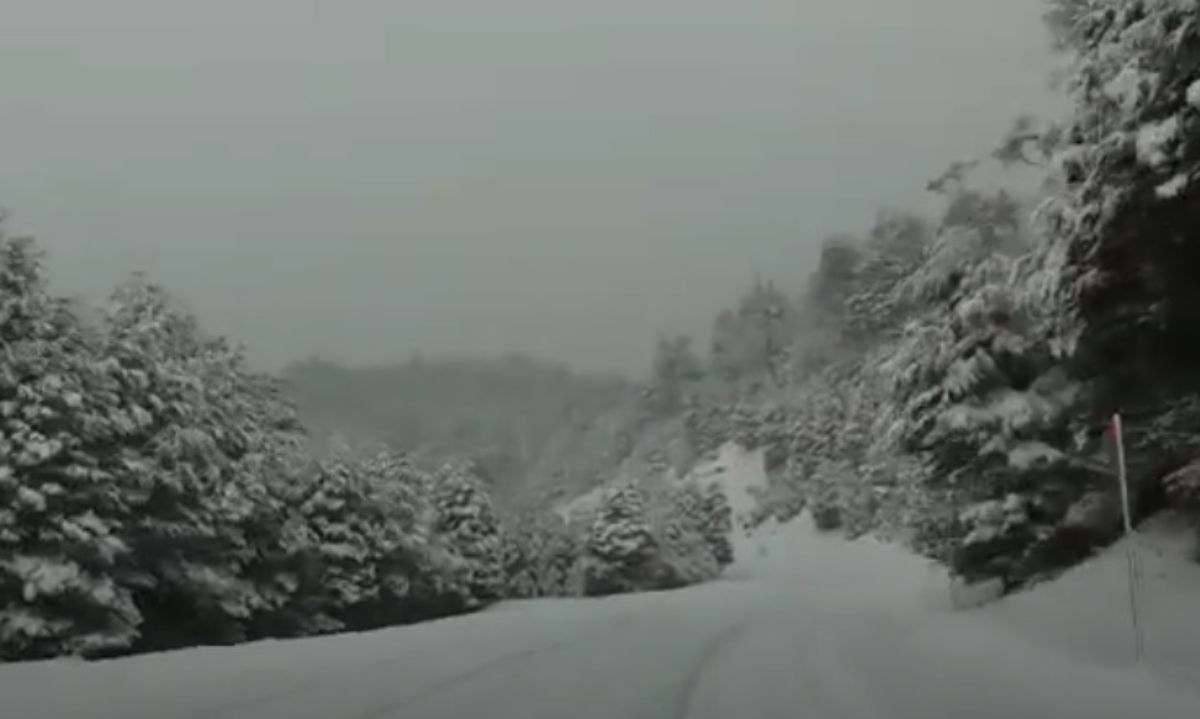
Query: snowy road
[821, 636]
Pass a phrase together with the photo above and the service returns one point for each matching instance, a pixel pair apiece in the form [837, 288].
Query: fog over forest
[363, 180]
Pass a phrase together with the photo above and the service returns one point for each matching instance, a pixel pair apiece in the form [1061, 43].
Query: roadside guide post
[1117, 432]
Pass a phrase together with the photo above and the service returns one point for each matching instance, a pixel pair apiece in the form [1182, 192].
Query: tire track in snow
[709, 652]
[310, 684]
[365, 672]
[676, 696]
[387, 709]
[392, 707]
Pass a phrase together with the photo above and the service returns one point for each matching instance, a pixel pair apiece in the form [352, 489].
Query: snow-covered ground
[1086, 613]
[806, 626]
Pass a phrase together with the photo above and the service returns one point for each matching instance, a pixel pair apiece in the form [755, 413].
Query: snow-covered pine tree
[193, 418]
[676, 366]
[752, 342]
[894, 249]
[864, 448]
[807, 437]
[984, 399]
[280, 535]
[541, 555]
[1127, 198]
[678, 525]
[521, 548]
[468, 522]
[707, 426]
[716, 523]
[424, 574]
[363, 548]
[823, 492]
[337, 548]
[823, 442]
[833, 282]
[561, 557]
[620, 546]
[279, 459]
[60, 512]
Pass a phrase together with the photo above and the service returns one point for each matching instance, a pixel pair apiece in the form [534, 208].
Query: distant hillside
[511, 416]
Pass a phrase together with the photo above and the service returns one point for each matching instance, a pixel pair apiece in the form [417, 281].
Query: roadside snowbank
[1087, 610]
[1082, 618]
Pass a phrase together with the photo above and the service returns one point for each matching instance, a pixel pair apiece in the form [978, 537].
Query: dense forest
[944, 382]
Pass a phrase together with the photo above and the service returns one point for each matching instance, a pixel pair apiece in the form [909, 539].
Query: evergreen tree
[716, 524]
[60, 510]
[834, 280]
[196, 420]
[1126, 198]
[895, 248]
[542, 554]
[675, 367]
[339, 545]
[754, 340]
[468, 522]
[679, 529]
[522, 547]
[620, 544]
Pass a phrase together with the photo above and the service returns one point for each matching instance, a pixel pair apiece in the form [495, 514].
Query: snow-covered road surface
[811, 629]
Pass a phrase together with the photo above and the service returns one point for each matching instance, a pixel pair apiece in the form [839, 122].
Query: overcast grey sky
[361, 179]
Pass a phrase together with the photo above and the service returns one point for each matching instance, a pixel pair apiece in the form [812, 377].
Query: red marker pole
[1116, 431]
